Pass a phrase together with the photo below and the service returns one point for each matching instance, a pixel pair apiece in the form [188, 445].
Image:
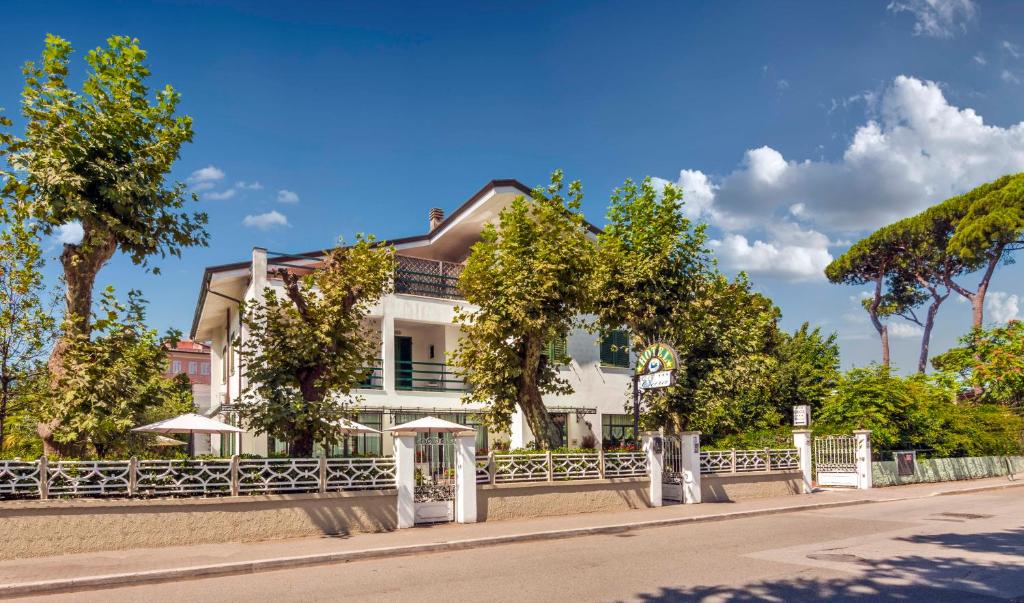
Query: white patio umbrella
[166, 441]
[430, 425]
[191, 424]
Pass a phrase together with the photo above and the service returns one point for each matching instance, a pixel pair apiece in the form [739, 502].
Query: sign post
[801, 415]
[655, 369]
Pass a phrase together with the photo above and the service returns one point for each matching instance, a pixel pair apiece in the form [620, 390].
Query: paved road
[947, 548]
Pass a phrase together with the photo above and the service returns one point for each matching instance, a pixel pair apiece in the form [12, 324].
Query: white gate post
[802, 443]
[655, 465]
[465, 478]
[689, 450]
[864, 480]
[405, 478]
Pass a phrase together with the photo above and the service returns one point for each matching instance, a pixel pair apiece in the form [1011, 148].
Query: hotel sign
[656, 367]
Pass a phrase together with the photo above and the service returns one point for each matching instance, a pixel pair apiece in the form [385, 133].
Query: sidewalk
[96, 570]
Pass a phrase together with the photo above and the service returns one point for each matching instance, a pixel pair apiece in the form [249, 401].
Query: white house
[416, 329]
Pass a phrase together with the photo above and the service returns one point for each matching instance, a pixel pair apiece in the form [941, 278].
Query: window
[204, 368]
[363, 444]
[556, 350]
[615, 349]
[616, 431]
[175, 367]
[193, 367]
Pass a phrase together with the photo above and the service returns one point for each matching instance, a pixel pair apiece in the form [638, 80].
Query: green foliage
[989, 364]
[26, 327]
[528, 278]
[993, 217]
[306, 351]
[807, 370]
[114, 382]
[917, 412]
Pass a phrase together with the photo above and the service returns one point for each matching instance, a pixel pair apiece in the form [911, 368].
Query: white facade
[416, 331]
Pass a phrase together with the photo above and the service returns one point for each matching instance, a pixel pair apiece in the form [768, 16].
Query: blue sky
[795, 128]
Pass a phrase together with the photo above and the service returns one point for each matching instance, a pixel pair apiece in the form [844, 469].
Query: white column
[689, 444]
[802, 443]
[520, 431]
[465, 479]
[405, 478]
[863, 459]
[654, 447]
[387, 344]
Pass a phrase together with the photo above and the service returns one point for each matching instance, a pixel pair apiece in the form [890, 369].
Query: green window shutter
[615, 349]
[557, 350]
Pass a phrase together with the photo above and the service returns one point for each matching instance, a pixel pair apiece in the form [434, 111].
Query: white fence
[539, 467]
[217, 477]
[749, 461]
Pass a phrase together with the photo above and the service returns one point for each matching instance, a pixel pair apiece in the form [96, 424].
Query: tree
[808, 368]
[650, 259]
[305, 352]
[99, 158]
[529, 280]
[725, 338]
[26, 328]
[114, 381]
[990, 364]
[992, 225]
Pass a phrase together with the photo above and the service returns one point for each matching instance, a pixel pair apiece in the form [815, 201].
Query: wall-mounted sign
[801, 415]
[656, 367]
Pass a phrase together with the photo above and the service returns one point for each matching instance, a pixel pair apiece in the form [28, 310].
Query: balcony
[427, 376]
[374, 376]
[429, 278]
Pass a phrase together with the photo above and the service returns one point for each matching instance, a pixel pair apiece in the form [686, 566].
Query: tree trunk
[81, 263]
[301, 445]
[883, 330]
[3, 416]
[530, 401]
[929, 323]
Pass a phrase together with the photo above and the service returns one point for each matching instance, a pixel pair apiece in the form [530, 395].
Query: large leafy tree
[808, 367]
[114, 381]
[528, 278]
[307, 350]
[99, 158]
[989, 363]
[651, 260]
[27, 327]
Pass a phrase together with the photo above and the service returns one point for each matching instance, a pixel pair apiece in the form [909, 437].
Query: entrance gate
[835, 461]
[434, 495]
[672, 471]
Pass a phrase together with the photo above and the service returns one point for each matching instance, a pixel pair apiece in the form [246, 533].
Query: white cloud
[1001, 306]
[205, 178]
[937, 18]
[248, 186]
[70, 233]
[265, 221]
[1008, 77]
[286, 196]
[919, 150]
[220, 195]
[980, 59]
[791, 253]
[782, 85]
[1011, 49]
[904, 330]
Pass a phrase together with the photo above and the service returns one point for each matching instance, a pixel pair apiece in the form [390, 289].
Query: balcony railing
[427, 376]
[430, 278]
[375, 376]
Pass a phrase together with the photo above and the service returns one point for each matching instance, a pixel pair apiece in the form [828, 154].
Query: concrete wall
[729, 487]
[947, 469]
[540, 499]
[40, 528]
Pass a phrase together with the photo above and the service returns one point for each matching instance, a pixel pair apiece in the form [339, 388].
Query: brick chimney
[436, 216]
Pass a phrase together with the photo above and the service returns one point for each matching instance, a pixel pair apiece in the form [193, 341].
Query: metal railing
[375, 376]
[427, 376]
[749, 461]
[429, 278]
[192, 477]
[547, 466]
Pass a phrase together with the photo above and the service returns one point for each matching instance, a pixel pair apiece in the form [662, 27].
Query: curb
[262, 565]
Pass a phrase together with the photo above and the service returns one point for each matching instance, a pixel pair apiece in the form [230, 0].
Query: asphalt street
[945, 548]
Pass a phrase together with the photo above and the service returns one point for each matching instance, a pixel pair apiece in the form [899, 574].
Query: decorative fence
[539, 467]
[218, 477]
[749, 461]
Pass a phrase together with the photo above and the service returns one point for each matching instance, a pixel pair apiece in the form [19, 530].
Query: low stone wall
[727, 487]
[539, 499]
[947, 469]
[53, 527]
